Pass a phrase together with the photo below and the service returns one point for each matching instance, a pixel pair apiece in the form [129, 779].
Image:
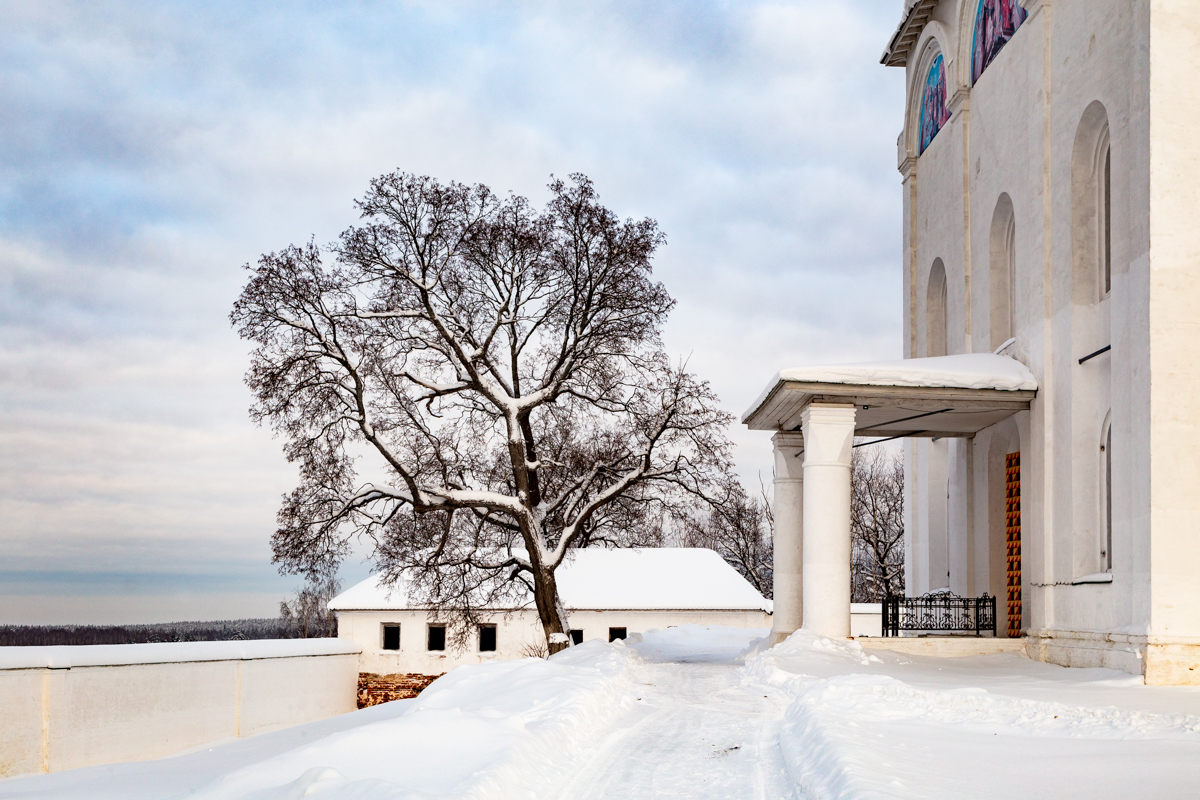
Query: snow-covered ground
[697, 713]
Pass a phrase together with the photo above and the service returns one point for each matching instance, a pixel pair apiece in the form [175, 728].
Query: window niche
[1106, 510]
[436, 641]
[576, 636]
[1103, 171]
[487, 638]
[1002, 273]
[616, 633]
[391, 636]
[935, 310]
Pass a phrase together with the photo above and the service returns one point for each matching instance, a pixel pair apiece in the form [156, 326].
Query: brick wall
[374, 689]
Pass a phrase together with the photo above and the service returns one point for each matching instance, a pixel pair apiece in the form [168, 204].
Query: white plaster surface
[1024, 137]
[128, 702]
[518, 633]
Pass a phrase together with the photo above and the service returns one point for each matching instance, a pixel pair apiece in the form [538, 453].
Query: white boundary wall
[68, 707]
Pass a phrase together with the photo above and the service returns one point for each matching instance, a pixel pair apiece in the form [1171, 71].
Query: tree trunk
[550, 611]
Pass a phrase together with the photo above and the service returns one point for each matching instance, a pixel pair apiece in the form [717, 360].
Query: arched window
[935, 311]
[995, 23]
[1106, 479]
[1103, 172]
[934, 113]
[1002, 272]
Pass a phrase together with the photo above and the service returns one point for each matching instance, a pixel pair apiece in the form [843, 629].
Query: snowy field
[698, 713]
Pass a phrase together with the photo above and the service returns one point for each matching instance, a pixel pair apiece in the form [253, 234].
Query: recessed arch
[1002, 273]
[934, 113]
[933, 59]
[935, 310]
[1106, 498]
[1091, 207]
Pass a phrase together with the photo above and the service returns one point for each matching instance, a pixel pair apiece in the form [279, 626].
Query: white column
[828, 437]
[788, 535]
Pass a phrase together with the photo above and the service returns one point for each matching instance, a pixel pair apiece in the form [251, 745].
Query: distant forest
[219, 631]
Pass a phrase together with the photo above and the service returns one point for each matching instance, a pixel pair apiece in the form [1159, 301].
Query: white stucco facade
[1057, 205]
[1050, 167]
[627, 590]
[70, 707]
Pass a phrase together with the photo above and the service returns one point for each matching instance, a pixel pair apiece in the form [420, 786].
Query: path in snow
[693, 730]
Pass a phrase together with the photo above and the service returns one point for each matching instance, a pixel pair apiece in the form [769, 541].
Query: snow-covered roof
[625, 578]
[967, 371]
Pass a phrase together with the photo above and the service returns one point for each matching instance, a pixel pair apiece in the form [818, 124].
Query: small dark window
[576, 636]
[487, 638]
[616, 633]
[437, 637]
[391, 637]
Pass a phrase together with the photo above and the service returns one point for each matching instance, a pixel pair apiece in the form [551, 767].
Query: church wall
[1095, 55]
[1174, 290]
[1005, 170]
[1002, 138]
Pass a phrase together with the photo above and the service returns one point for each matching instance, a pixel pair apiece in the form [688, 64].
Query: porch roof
[943, 396]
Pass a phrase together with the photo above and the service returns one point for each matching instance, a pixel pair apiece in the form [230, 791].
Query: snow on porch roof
[970, 382]
[671, 578]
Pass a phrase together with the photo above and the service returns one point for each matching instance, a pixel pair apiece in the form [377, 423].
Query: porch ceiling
[943, 397]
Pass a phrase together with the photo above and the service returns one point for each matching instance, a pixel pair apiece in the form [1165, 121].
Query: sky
[149, 150]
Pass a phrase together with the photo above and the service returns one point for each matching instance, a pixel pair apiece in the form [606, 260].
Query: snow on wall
[626, 578]
[109, 655]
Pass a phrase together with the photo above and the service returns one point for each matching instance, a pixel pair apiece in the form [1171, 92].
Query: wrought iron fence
[939, 611]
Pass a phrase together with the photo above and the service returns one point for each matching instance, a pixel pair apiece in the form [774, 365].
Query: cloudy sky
[148, 150]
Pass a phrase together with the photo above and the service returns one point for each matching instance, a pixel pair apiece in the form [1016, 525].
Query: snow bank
[496, 730]
[694, 643]
[853, 731]
[111, 655]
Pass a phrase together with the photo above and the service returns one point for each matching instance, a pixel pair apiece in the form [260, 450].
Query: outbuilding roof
[671, 578]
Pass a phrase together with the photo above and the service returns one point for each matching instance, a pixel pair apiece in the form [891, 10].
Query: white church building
[608, 594]
[1049, 399]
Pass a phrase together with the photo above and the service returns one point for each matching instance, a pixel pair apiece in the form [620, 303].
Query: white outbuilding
[608, 595]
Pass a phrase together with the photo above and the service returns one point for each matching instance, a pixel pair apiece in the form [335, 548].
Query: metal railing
[939, 611]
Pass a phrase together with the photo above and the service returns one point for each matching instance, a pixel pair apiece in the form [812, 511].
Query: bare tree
[738, 527]
[307, 614]
[877, 524]
[498, 372]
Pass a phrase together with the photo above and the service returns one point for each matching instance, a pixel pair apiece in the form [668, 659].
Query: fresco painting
[995, 23]
[934, 113]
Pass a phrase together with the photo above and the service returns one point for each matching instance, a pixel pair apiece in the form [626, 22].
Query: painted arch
[934, 113]
[995, 23]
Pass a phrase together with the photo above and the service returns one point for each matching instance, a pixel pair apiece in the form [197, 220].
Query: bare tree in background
[739, 528]
[497, 374]
[876, 524]
[307, 614]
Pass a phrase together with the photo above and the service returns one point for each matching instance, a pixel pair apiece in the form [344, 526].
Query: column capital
[829, 433]
[789, 447]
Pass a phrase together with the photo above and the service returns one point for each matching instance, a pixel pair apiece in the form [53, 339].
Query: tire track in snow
[696, 731]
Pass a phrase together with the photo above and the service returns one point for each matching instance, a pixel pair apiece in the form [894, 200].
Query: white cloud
[151, 150]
